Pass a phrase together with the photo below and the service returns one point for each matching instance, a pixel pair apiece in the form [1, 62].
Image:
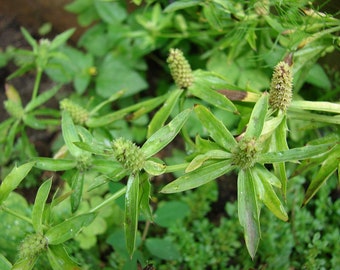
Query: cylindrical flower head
[128, 154]
[281, 89]
[79, 114]
[32, 246]
[180, 69]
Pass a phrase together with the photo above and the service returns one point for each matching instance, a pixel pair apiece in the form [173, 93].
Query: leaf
[199, 177]
[77, 190]
[154, 166]
[205, 86]
[42, 98]
[70, 134]
[177, 5]
[163, 249]
[25, 264]
[61, 39]
[59, 259]
[68, 229]
[51, 164]
[258, 115]
[163, 113]
[144, 196]
[171, 212]
[328, 167]
[165, 135]
[294, 154]
[4, 263]
[115, 75]
[39, 205]
[13, 179]
[131, 212]
[110, 12]
[215, 127]
[267, 194]
[200, 159]
[248, 211]
[29, 39]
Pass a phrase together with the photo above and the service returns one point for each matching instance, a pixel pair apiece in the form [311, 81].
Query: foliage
[238, 105]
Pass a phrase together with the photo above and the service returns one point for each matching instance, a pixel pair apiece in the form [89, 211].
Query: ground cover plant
[182, 135]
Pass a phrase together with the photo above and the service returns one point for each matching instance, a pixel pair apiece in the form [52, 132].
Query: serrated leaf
[39, 205]
[68, 229]
[215, 128]
[165, 135]
[199, 177]
[248, 211]
[13, 179]
[131, 212]
[258, 115]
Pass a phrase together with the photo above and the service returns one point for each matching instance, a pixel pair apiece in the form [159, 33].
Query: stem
[37, 83]
[16, 214]
[109, 200]
[312, 117]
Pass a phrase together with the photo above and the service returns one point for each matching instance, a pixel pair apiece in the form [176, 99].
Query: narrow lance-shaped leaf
[267, 194]
[25, 264]
[77, 190]
[131, 212]
[42, 98]
[61, 38]
[70, 134]
[68, 229]
[29, 39]
[215, 127]
[163, 113]
[199, 160]
[144, 196]
[199, 177]
[59, 259]
[165, 135]
[328, 167]
[248, 211]
[13, 179]
[51, 164]
[294, 154]
[39, 205]
[258, 115]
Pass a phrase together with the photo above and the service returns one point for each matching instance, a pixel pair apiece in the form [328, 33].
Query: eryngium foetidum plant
[128, 154]
[180, 69]
[281, 88]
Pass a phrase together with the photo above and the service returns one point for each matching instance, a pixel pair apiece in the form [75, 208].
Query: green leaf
[25, 264]
[328, 167]
[171, 212]
[163, 113]
[61, 39]
[68, 228]
[110, 12]
[163, 249]
[199, 177]
[200, 159]
[115, 75]
[13, 179]
[205, 87]
[39, 205]
[42, 98]
[267, 194]
[51, 164]
[131, 212]
[59, 259]
[177, 5]
[137, 2]
[257, 118]
[294, 154]
[4, 263]
[154, 166]
[144, 196]
[215, 127]
[70, 134]
[77, 190]
[248, 211]
[165, 135]
[29, 39]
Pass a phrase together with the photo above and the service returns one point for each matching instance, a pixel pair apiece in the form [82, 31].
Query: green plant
[216, 119]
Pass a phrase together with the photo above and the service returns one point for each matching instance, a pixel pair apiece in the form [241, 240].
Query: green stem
[16, 214]
[109, 200]
[37, 83]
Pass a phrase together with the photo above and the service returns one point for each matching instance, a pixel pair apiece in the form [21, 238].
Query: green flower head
[79, 114]
[33, 245]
